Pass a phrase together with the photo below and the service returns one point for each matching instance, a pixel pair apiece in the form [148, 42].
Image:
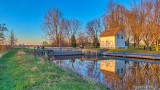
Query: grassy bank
[130, 50]
[134, 51]
[139, 50]
[26, 72]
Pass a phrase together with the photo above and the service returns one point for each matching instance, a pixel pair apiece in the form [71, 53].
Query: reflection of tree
[155, 70]
[133, 77]
[141, 75]
[72, 61]
[92, 70]
[91, 66]
[146, 75]
[137, 73]
[112, 80]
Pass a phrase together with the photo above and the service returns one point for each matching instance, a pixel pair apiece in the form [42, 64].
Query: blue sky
[26, 16]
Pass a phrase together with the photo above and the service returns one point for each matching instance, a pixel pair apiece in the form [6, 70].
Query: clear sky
[25, 16]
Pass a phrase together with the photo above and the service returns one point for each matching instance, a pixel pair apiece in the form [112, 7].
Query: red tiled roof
[110, 32]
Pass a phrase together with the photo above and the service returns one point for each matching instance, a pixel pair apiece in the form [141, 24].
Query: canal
[114, 73]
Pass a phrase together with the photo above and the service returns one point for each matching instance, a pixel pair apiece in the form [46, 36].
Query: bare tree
[53, 26]
[150, 27]
[45, 43]
[3, 28]
[157, 21]
[127, 26]
[117, 15]
[141, 22]
[82, 39]
[114, 15]
[94, 29]
[12, 39]
[72, 27]
[110, 16]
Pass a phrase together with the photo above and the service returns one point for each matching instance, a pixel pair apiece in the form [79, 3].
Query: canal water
[115, 73]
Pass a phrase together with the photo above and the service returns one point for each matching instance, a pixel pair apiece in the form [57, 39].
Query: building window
[117, 71]
[121, 70]
[117, 36]
[107, 42]
[121, 36]
[111, 63]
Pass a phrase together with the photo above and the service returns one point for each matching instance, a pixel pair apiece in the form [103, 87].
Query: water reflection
[117, 74]
[113, 73]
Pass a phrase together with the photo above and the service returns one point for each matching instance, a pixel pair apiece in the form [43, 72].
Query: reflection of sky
[86, 69]
[91, 70]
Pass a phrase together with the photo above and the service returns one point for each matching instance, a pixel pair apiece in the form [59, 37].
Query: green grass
[139, 50]
[130, 50]
[26, 72]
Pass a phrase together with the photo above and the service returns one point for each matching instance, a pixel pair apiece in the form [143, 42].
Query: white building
[112, 38]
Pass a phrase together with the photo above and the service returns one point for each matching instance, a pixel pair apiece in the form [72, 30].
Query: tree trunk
[156, 44]
[144, 47]
[60, 41]
[134, 42]
[137, 44]
[57, 41]
[149, 48]
[127, 43]
[69, 42]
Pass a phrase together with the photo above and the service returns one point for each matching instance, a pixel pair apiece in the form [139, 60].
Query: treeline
[141, 23]
[70, 32]
[6, 41]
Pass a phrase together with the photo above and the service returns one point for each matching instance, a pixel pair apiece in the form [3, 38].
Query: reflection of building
[122, 75]
[113, 68]
[113, 72]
